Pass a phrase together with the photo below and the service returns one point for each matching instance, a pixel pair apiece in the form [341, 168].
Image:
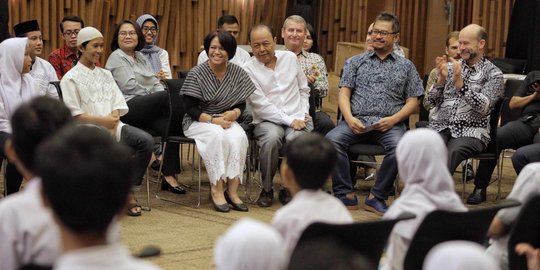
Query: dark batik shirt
[466, 112]
[380, 88]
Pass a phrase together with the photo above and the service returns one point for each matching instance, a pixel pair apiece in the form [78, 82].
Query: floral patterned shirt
[313, 64]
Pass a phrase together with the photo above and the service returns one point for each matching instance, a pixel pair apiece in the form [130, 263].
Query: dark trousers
[460, 149]
[12, 177]
[322, 123]
[151, 113]
[525, 155]
[342, 137]
[142, 144]
[513, 135]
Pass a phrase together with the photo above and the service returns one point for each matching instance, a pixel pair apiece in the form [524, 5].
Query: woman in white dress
[214, 95]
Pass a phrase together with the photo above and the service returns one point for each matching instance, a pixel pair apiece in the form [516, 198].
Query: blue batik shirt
[380, 88]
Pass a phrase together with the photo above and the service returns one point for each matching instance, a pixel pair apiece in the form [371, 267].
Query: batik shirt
[313, 64]
[465, 112]
[380, 87]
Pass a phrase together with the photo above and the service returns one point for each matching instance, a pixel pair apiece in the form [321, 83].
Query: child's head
[32, 123]
[86, 178]
[311, 158]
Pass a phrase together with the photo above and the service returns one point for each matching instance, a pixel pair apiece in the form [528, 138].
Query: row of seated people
[60, 159]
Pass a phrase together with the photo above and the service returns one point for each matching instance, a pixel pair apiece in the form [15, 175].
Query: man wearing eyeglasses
[229, 23]
[62, 59]
[379, 90]
[463, 96]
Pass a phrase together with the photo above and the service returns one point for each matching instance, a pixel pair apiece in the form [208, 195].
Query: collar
[68, 51]
[475, 66]
[372, 54]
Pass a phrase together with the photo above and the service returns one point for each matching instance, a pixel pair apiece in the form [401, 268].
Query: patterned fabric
[216, 96]
[379, 87]
[313, 64]
[63, 59]
[465, 112]
[44, 73]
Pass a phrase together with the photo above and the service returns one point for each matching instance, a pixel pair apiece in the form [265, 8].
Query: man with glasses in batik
[379, 90]
[62, 59]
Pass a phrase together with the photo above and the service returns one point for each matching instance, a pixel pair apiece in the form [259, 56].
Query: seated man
[514, 134]
[379, 90]
[86, 180]
[63, 59]
[309, 160]
[42, 71]
[279, 104]
[463, 97]
[525, 155]
[26, 230]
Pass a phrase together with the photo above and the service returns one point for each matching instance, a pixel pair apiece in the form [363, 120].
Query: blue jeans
[342, 137]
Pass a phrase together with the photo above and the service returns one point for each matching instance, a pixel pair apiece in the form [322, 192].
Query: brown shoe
[265, 198]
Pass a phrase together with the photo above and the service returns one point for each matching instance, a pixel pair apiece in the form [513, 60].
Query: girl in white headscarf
[250, 244]
[16, 87]
[458, 255]
[421, 157]
[527, 186]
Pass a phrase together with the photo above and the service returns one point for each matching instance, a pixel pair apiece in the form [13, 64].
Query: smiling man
[379, 90]
[62, 59]
[463, 97]
[42, 71]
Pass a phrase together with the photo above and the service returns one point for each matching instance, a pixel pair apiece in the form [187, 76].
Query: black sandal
[131, 209]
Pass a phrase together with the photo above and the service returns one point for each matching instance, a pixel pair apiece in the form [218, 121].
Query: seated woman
[527, 186]
[420, 154]
[148, 103]
[158, 57]
[93, 97]
[214, 96]
[16, 87]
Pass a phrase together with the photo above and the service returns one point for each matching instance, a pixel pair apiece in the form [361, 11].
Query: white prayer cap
[88, 33]
[459, 255]
[250, 244]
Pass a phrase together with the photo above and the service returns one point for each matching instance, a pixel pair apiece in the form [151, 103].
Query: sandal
[132, 209]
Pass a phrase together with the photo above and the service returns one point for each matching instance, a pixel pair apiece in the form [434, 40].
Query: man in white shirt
[230, 24]
[280, 103]
[27, 233]
[86, 180]
[42, 71]
[309, 160]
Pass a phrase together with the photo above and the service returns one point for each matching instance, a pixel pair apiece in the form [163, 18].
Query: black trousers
[12, 177]
[460, 149]
[513, 135]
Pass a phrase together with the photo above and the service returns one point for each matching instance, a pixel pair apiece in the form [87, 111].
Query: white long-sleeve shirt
[282, 93]
[43, 73]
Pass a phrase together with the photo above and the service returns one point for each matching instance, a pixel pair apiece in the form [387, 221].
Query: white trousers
[222, 150]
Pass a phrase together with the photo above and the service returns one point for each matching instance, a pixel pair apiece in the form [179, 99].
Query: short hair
[313, 33]
[71, 19]
[311, 158]
[140, 36]
[227, 19]
[227, 41]
[451, 35]
[389, 17]
[86, 177]
[261, 26]
[33, 122]
[296, 19]
[482, 34]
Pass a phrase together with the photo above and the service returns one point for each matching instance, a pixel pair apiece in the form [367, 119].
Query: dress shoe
[284, 196]
[224, 208]
[265, 198]
[176, 190]
[478, 196]
[469, 172]
[236, 206]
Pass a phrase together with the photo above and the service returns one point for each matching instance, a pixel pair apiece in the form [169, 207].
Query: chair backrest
[493, 125]
[176, 106]
[58, 89]
[525, 230]
[507, 114]
[182, 74]
[441, 226]
[367, 238]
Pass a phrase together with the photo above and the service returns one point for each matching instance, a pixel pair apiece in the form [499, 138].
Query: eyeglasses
[382, 33]
[149, 29]
[125, 34]
[69, 33]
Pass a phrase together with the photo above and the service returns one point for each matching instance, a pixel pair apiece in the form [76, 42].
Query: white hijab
[15, 87]
[422, 163]
[250, 244]
[458, 255]
[527, 185]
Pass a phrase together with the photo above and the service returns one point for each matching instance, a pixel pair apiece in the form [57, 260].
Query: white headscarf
[422, 162]
[458, 255]
[15, 87]
[250, 244]
[527, 185]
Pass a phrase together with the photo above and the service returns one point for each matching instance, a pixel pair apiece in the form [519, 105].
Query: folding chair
[58, 89]
[440, 226]
[367, 238]
[507, 114]
[525, 230]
